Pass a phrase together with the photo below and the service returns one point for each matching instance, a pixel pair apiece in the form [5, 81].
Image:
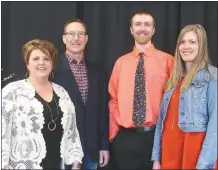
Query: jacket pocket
[200, 102]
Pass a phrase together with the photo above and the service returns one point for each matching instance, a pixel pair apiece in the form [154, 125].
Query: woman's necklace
[52, 124]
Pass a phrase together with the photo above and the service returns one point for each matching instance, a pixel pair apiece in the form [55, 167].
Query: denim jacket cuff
[203, 166]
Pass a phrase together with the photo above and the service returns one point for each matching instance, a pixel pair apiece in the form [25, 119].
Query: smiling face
[142, 28]
[39, 64]
[189, 47]
[75, 37]
[191, 54]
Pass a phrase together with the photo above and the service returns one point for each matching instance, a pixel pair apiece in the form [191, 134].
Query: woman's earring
[27, 74]
[51, 75]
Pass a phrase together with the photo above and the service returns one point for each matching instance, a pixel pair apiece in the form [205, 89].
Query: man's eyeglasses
[73, 34]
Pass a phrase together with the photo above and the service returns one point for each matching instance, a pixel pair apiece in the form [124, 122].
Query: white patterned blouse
[23, 145]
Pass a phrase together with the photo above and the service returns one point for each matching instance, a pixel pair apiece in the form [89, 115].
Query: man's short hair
[141, 13]
[75, 20]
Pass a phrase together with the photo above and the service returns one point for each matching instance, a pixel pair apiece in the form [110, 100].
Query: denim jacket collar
[202, 75]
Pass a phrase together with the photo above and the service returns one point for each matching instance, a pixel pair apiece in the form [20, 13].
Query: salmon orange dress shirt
[157, 65]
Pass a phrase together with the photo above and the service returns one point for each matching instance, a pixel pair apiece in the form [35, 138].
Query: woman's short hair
[43, 45]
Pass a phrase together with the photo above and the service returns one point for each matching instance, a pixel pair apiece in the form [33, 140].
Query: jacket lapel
[68, 80]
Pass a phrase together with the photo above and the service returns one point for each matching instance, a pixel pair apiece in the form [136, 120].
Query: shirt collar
[147, 51]
[72, 60]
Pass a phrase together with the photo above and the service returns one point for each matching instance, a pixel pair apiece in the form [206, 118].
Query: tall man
[136, 88]
[84, 82]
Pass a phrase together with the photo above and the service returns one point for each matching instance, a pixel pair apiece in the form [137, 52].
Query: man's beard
[142, 37]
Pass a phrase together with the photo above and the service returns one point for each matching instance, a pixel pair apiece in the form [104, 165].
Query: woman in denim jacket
[186, 132]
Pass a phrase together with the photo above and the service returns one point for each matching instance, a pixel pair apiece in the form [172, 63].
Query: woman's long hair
[202, 59]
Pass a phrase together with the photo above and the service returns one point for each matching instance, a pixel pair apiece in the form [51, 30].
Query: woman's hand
[76, 166]
[156, 165]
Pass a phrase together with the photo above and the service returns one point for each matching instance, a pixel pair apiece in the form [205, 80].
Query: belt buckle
[140, 129]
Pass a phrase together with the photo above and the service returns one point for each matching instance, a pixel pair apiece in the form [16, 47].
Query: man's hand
[156, 165]
[103, 158]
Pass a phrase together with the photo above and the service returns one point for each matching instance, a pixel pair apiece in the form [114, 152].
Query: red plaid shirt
[80, 73]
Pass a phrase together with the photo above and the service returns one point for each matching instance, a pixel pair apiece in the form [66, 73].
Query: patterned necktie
[139, 94]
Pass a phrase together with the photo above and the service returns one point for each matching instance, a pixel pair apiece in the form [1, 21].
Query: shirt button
[182, 113]
[182, 98]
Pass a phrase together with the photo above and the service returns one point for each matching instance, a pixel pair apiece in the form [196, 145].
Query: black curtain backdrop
[108, 28]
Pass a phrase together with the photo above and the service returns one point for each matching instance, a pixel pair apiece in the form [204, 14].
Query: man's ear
[153, 31]
[130, 29]
[64, 39]
[87, 37]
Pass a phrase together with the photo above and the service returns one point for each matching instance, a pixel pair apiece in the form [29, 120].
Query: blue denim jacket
[197, 113]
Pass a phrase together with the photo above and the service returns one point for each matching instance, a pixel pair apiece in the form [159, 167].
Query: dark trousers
[132, 150]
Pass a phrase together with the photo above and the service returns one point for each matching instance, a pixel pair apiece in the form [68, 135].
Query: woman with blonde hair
[38, 117]
[186, 132]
